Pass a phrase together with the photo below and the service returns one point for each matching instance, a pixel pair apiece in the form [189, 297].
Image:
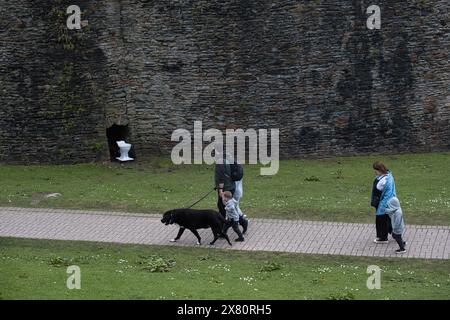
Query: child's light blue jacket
[231, 210]
[395, 213]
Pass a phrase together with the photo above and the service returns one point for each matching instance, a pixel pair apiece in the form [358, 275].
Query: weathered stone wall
[310, 68]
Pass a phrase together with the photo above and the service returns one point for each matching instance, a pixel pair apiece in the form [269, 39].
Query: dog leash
[201, 198]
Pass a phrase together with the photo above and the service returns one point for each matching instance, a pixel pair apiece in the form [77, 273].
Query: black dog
[193, 219]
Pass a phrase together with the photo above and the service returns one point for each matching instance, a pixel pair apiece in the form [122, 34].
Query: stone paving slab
[355, 239]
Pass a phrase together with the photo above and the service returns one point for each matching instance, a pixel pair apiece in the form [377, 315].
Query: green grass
[36, 269]
[333, 189]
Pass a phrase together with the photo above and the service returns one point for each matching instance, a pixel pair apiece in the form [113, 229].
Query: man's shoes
[398, 251]
[378, 240]
[239, 239]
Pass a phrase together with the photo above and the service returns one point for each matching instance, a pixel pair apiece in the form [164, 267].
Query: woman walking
[383, 190]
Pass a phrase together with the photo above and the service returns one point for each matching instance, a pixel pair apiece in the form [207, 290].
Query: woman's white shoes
[380, 241]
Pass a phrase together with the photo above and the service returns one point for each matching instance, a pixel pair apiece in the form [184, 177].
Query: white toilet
[124, 149]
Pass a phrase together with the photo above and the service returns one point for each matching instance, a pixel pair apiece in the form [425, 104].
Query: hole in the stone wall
[117, 133]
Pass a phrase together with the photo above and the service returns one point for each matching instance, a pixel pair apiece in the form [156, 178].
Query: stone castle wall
[310, 68]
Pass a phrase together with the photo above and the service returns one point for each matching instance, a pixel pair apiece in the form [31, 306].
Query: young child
[232, 215]
[398, 226]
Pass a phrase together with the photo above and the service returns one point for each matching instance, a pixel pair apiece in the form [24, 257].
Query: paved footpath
[354, 239]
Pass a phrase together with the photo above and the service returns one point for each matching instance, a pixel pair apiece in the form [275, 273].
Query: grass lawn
[36, 269]
[333, 189]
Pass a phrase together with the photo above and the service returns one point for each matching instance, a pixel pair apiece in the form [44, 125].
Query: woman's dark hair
[378, 165]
